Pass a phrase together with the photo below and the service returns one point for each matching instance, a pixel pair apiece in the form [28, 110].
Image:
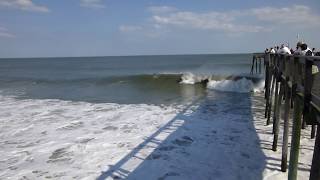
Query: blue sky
[49, 28]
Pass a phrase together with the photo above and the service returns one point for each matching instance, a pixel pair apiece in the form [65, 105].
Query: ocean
[125, 80]
[130, 117]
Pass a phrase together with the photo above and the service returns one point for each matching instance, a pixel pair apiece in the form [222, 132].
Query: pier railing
[291, 79]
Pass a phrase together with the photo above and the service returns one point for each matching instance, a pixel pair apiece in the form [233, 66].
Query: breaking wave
[241, 84]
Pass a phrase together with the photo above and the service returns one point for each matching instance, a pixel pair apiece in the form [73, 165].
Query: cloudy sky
[42, 28]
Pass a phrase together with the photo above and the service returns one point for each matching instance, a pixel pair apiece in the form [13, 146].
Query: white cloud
[161, 9]
[26, 5]
[4, 33]
[127, 28]
[205, 21]
[236, 21]
[92, 4]
[296, 14]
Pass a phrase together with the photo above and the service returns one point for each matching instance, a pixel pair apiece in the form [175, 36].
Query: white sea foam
[190, 78]
[242, 85]
[55, 138]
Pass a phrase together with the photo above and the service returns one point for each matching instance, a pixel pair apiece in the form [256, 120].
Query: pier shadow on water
[212, 138]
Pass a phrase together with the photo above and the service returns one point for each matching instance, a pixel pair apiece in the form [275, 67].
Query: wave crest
[241, 84]
[189, 78]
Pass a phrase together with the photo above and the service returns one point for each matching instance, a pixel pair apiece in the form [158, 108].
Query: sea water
[125, 80]
[66, 118]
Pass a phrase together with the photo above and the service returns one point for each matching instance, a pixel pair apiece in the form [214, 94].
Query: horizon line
[129, 55]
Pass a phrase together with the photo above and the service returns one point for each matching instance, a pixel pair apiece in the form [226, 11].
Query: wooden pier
[289, 79]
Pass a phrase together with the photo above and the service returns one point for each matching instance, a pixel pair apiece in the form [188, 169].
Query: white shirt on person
[304, 52]
[272, 51]
[284, 50]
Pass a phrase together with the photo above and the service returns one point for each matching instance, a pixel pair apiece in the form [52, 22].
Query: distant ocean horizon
[127, 55]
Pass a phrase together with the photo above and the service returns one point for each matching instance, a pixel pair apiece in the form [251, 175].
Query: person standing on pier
[272, 51]
[298, 49]
[305, 50]
[284, 50]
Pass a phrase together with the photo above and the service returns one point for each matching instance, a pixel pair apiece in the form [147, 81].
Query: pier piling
[290, 78]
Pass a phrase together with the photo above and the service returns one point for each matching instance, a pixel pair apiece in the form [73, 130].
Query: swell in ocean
[127, 80]
[123, 89]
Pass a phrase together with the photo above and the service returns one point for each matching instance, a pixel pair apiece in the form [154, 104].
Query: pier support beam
[284, 163]
[315, 167]
[295, 141]
[313, 131]
[270, 100]
[276, 118]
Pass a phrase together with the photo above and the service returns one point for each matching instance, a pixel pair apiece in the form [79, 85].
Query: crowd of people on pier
[301, 49]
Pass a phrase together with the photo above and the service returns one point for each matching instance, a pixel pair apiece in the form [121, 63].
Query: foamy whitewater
[240, 85]
[128, 118]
